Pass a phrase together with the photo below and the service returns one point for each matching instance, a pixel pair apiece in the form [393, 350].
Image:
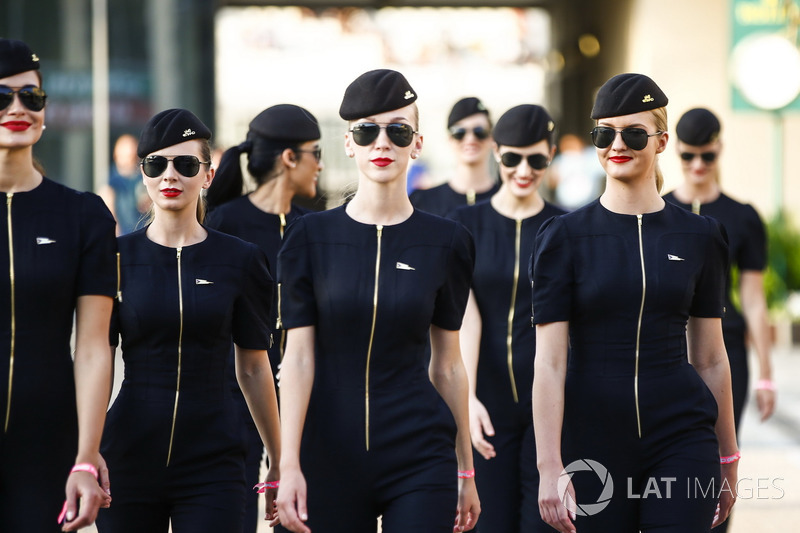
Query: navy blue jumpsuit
[508, 484]
[241, 218]
[628, 284]
[378, 438]
[442, 199]
[56, 245]
[173, 439]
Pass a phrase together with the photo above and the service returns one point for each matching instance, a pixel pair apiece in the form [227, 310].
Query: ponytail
[228, 181]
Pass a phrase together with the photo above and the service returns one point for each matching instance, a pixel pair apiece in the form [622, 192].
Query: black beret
[626, 94]
[286, 122]
[698, 127]
[16, 57]
[376, 91]
[464, 108]
[524, 125]
[169, 127]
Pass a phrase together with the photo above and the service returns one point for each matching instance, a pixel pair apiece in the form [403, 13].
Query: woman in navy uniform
[497, 337]
[360, 287]
[634, 287]
[285, 159]
[58, 251]
[469, 126]
[172, 437]
[699, 147]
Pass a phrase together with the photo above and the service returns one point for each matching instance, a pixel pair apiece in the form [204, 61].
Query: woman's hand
[84, 497]
[480, 424]
[727, 497]
[271, 495]
[553, 510]
[469, 507]
[291, 501]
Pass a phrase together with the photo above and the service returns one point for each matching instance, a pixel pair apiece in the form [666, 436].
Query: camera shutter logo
[586, 465]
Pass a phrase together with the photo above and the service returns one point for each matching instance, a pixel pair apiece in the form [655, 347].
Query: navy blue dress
[57, 244]
[508, 484]
[627, 285]
[241, 218]
[172, 438]
[442, 199]
[376, 432]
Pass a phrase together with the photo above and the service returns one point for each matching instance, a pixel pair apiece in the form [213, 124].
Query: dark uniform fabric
[632, 401]
[63, 247]
[241, 218]
[378, 438]
[508, 484]
[181, 456]
[747, 250]
[442, 199]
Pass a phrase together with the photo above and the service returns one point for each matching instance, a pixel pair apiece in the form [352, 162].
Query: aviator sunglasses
[707, 157]
[536, 161]
[31, 97]
[365, 133]
[634, 138]
[317, 153]
[479, 132]
[154, 166]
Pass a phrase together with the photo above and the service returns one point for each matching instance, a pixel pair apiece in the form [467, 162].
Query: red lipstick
[16, 125]
[171, 193]
[381, 162]
[620, 159]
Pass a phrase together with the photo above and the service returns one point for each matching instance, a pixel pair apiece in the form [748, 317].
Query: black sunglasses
[154, 166]
[634, 138]
[536, 161]
[479, 132]
[317, 152]
[365, 133]
[31, 97]
[707, 157]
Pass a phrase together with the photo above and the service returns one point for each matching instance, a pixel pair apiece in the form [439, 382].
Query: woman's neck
[380, 203]
[273, 196]
[472, 177]
[17, 173]
[175, 230]
[631, 198]
[703, 193]
[511, 206]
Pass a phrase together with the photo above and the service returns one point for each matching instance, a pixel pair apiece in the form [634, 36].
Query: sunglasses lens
[635, 138]
[33, 98]
[187, 165]
[686, 156]
[603, 137]
[481, 133]
[538, 161]
[510, 159]
[458, 133]
[709, 157]
[6, 97]
[365, 133]
[400, 134]
[154, 165]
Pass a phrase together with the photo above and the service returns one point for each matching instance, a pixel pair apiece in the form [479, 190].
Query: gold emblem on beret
[408, 95]
[550, 125]
[188, 132]
[34, 57]
[647, 98]
[481, 107]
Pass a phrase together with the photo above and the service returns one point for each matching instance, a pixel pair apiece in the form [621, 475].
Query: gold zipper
[471, 196]
[639, 330]
[283, 223]
[696, 206]
[509, 340]
[372, 335]
[180, 350]
[119, 280]
[9, 196]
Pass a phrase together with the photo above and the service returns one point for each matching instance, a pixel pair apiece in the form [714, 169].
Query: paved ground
[769, 472]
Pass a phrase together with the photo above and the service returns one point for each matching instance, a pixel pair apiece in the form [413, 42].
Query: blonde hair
[660, 117]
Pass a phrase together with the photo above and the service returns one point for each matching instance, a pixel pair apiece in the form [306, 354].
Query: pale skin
[630, 189]
[518, 198]
[92, 365]
[381, 199]
[472, 156]
[175, 225]
[701, 184]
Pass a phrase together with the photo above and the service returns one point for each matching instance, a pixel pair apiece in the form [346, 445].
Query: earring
[351, 154]
[414, 155]
[44, 127]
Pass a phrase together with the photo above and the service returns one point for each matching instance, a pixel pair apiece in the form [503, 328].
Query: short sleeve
[753, 251]
[97, 274]
[251, 328]
[452, 296]
[296, 301]
[709, 293]
[551, 273]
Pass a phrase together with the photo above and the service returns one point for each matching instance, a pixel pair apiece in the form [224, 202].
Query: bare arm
[707, 354]
[550, 370]
[297, 378]
[92, 370]
[754, 309]
[448, 376]
[254, 374]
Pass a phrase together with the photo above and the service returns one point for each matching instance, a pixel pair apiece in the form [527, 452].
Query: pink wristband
[765, 384]
[261, 488]
[466, 474]
[85, 467]
[726, 460]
